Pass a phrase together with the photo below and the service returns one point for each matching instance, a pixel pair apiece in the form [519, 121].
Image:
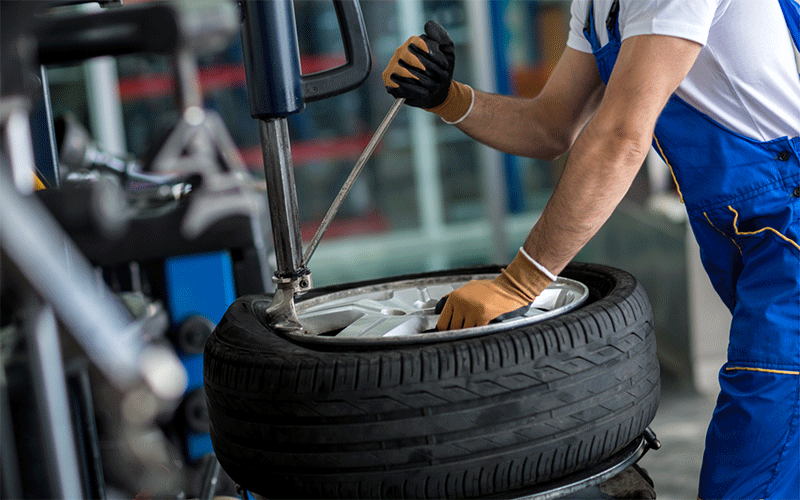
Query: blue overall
[743, 201]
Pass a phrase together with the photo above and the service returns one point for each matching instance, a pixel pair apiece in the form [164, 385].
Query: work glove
[421, 71]
[481, 301]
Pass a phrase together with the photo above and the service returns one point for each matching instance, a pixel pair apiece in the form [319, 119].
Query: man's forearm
[513, 125]
[545, 126]
[598, 173]
[612, 147]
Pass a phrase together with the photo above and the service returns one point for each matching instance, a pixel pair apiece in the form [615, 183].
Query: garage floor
[680, 425]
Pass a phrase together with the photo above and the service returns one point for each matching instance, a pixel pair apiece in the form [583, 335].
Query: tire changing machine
[276, 89]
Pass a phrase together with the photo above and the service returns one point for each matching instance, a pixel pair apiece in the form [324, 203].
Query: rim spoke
[385, 326]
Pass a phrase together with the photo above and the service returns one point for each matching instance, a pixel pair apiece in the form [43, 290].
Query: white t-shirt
[746, 75]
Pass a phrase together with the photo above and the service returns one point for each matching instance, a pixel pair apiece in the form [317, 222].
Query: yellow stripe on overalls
[674, 179]
[752, 233]
[763, 370]
[723, 234]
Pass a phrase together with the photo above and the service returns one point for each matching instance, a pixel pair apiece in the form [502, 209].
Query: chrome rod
[362, 160]
[281, 195]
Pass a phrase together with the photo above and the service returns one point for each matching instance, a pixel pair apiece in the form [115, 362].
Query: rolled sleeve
[689, 19]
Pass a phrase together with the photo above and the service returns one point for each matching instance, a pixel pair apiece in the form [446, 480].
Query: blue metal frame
[198, 284]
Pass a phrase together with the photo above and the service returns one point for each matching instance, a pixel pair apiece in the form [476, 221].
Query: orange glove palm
[480, 301]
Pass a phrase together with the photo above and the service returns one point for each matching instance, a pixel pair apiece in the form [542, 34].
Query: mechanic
[713, 85]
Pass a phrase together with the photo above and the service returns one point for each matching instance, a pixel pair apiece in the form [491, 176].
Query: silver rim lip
[576, 294]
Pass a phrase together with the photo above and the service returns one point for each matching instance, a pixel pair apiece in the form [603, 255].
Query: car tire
[455, 418]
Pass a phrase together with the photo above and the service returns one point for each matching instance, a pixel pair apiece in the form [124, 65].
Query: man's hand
[421, 71]
[480, 301]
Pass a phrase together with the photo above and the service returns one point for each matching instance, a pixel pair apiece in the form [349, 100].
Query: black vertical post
[271, 58]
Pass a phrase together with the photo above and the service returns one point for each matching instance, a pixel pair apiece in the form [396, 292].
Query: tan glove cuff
[457, 105]
[524, 276]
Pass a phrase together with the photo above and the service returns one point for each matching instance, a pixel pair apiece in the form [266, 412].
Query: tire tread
[271, 401]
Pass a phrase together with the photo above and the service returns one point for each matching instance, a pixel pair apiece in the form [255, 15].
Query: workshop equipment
[276, 89]
[193, 194]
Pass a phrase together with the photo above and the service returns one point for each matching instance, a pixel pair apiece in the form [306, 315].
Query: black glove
[421, 70]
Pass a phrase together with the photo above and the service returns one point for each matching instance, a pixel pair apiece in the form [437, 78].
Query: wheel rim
[404, 310]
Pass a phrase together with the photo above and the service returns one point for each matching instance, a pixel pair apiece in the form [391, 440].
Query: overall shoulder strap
[611, 21]
[791, 14]
[612, 26]
[589, 29]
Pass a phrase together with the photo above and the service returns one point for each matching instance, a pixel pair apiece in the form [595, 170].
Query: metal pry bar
[348, 183]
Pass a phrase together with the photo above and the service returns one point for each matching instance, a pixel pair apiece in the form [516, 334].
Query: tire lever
[348, 183]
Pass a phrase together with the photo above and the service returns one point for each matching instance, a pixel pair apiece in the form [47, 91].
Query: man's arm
[545, 126]
[601, 166]
[603, 161]
[610, 150]
[421, 71]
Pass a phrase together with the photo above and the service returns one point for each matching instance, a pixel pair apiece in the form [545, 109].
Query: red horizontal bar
[149, 86]
[336, 148]
[374, 222]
